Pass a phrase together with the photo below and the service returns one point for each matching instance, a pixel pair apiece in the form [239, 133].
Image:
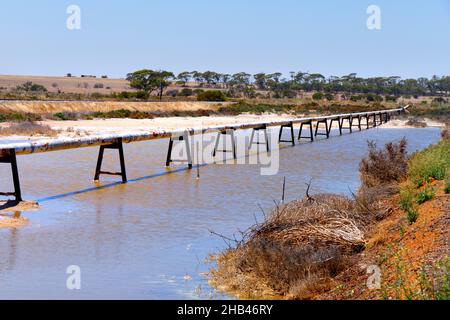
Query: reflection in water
[148, 239]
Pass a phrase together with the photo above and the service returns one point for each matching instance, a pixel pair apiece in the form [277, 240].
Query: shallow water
[149, 239]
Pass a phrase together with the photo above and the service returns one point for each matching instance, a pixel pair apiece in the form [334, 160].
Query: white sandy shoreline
[79, 128]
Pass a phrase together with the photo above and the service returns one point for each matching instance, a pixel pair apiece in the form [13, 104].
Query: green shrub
[412, 215]
[406, 204]
[391, 98]
[186, 92]
[406, 198]
[426, 195]
[19, 117]
[356, 98]
[212, 95]
[65, 116]
[370, 97]
[432, 163]
[317, 96]
[329, 96]
[141, 95]
[447, 186]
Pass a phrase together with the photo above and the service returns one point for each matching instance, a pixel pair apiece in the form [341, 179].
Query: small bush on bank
[329, 96]
[186, 92]
[426, 195]
[212, 95]
[385, 166]
[65, 116]
[432, 163]
[412, 215]
[447, 187]
[406, 198]
[19, 117]
[317, 96]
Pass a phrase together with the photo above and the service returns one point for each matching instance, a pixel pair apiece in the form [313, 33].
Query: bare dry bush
[27, 129]
[384, 166]
[301, 245]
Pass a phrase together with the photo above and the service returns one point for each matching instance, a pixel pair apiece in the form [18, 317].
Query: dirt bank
[44, 107]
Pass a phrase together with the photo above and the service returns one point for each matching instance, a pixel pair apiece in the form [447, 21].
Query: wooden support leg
[118, 145]
[233, 143]
[359, 122]
[291, 127]
[184, 138]
[331, 125]
[11, 158]
[327, 132]
[266, 137]
[311, 133]
[350, 123]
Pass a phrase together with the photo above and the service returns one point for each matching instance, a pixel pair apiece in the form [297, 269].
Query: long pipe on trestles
[73, 143]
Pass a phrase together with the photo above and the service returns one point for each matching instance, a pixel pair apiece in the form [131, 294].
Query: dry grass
[296, 252]
[27, 129]
[384, 166]
[301, 246]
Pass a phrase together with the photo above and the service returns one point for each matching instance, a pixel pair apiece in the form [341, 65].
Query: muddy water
[149, 239]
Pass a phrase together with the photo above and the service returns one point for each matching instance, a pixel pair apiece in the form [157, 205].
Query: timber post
[185, 138]
[327, 132]
[266, 138]
[338, 119]
[349, 119]
[9, 156]
[233, 143]
[287, 126]
[310, 124]
[118, 145]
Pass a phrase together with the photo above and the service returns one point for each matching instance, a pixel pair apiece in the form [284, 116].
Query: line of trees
[276, 86]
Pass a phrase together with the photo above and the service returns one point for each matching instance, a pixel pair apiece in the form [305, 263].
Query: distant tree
[260, 81]
[225, 80]
[184, 77]
[150, 81]
[31, 87]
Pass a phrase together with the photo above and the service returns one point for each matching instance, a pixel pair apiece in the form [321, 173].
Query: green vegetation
[406, 198]
[31, 87]
[19, 117]
[121, 113]
[425, 195]
[317, 96]
[432, 163]
[212, 95]
[350, 84]
[150, 81]
[65, 116]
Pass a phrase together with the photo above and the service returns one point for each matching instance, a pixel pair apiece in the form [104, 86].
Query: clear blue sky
[325, 36]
